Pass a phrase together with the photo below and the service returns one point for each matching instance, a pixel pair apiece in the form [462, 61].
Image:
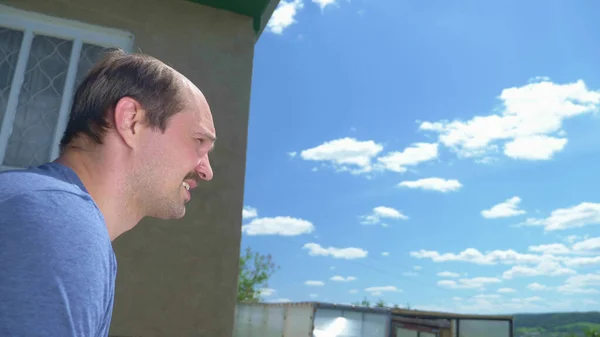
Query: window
[42, 60]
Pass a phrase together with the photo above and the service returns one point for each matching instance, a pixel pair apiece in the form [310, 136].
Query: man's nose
[204, 169]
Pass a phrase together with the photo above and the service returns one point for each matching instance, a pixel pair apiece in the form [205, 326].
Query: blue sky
[428, 153]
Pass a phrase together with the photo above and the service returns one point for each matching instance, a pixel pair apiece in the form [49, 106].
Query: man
[136, 143]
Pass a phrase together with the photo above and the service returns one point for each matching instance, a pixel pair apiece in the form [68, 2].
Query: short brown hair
[155, 85]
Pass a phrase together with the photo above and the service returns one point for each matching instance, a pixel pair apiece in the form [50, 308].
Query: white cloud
[537, 287]
[508, 208]
[411, 156]
[473, 255]
[338, 253]
[284, 16]
[313, 295]
[448, 274]
[292, 154]
[385, 253]
[376, 291]
[506, 305]
[592, 244]
[572, 238]
[312, 283]
[592, 279]
[249, 212]
[531, 117]
[354, 291]
[388, 212]
[488, 305]
[345, 154]
[506, 290]
[417, 267]
[357, 157]
[486, 160]
[338, 278]
[528, 299]
[571, 289]
[325, 3]
[546, 264]
[552, 249]
[581, 284]
[469, 283]
[582, 261]
[281, 225]
[369, 219]
[281, 300]
[267, 292]
[433, 184]
[456, 298]
[382, 212]
[409, 273]
[488, 296]
[584, 214]
[534, 147]
[545, 268]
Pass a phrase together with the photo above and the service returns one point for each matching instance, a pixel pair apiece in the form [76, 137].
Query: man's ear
[128, 117]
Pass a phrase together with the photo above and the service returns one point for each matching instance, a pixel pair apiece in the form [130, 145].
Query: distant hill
[555, 324]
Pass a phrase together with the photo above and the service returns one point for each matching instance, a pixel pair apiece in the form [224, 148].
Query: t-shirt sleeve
[55, 266]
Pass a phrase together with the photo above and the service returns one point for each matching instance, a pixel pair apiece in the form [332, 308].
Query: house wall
[179, 278]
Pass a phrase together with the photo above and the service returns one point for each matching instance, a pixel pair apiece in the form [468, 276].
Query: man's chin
[173, 214]
[178, 214]
[181, 215]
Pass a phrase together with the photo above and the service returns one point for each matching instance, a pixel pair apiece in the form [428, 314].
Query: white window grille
[42, 60]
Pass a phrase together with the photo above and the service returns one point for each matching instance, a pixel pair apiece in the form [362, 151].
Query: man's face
[175, 161]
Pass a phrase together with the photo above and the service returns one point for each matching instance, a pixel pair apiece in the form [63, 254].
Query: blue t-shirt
[57, 264]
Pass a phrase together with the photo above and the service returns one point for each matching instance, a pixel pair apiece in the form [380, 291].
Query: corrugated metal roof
[398, 312]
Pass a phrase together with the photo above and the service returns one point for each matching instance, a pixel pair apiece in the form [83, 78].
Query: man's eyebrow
[210, 136]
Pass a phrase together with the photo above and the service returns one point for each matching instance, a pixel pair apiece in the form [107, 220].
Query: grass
[581, 326]
[560, 330]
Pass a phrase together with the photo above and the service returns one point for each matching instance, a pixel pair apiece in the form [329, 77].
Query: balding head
[160, 89]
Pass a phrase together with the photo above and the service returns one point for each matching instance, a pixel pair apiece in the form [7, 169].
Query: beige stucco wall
[179, 278]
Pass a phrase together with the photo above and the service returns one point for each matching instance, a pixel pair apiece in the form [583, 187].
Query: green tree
[365, 302]
[380, 304]
[592, 333]
[255, 270]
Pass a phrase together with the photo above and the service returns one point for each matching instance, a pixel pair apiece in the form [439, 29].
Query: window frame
[31, 24]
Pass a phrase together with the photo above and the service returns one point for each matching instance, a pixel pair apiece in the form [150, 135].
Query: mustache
[192, 176]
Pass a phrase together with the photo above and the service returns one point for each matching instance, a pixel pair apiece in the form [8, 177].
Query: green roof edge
[259, 10]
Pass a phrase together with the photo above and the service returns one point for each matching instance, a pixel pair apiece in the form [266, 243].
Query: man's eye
[200, 140]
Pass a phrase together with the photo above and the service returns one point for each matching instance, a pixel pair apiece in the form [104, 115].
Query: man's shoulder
[58, 254]
[47, 178]
[50, 199]
[53, 216]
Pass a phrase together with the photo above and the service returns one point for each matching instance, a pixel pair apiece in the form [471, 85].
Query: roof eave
[259, 10]
[260, 21]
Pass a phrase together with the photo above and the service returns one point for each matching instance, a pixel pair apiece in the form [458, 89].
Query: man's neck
[108, 189]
